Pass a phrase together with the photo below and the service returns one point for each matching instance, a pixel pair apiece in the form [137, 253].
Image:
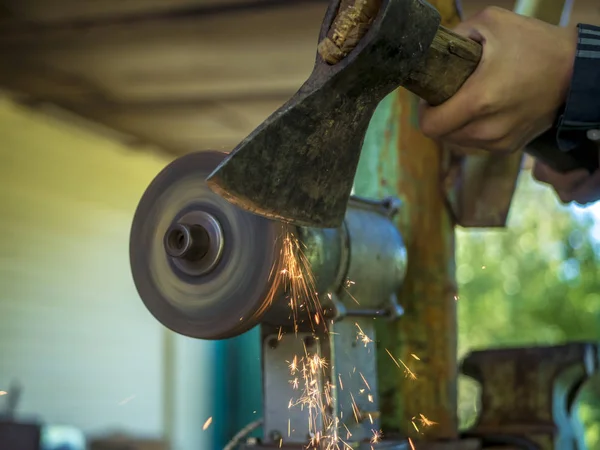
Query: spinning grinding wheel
[201, 265]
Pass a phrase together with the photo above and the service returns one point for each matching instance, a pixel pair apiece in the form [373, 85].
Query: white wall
[73, 330]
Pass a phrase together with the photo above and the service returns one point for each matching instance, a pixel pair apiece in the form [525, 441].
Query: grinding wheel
[201, 265]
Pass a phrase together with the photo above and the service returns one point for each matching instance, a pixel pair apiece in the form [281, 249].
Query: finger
[565, 197]
[564, 182]
[460, 109]
[422, 111]
[452, 115]
[492, 132]
[588, 191]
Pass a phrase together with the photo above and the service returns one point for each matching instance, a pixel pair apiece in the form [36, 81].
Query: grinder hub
[195, 243]
[201, 265]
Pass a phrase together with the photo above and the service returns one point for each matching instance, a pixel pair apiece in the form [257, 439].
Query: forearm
[581, 111]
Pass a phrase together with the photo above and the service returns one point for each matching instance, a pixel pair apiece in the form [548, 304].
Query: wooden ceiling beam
[175, 59]
[184, 82]
[220, 124]
[212, 17]
[175, 127]
[54, 12]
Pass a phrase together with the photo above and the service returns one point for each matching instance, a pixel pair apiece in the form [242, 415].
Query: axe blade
[299, 165]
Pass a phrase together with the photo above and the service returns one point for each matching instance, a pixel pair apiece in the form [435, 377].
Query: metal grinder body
[207, 269]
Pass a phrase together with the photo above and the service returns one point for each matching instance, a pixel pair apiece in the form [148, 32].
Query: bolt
[275, 436]
[189, 242]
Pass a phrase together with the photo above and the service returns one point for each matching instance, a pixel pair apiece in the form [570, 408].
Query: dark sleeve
[581, 112]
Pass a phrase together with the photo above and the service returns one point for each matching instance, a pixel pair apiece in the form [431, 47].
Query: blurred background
[97, 97]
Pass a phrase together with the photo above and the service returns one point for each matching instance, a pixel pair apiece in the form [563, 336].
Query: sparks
[410, 442]
[316, 398]
[409, 373]
[364, 381]
[425, 421]
[415, 426]
[361, 336]
[309, 376]
[351, 296]
[207, 423]
[376, 437]
[293, 274]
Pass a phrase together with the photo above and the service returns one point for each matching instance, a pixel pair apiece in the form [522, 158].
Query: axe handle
[449, 62]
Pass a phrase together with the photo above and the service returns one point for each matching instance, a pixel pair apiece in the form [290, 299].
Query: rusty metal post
[398, 160]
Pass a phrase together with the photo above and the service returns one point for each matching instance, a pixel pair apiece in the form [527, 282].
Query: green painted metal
[397, 160]
[378, 171]
[238, 386]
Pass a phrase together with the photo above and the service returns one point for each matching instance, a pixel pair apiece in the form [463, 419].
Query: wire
[235, 440]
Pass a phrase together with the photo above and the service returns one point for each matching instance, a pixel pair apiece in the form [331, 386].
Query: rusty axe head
[299, 165]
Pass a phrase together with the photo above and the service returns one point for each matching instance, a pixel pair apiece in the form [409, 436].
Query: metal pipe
[397, 160]
[551, 11]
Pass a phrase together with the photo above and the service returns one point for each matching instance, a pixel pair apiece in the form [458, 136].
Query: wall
[73, 330]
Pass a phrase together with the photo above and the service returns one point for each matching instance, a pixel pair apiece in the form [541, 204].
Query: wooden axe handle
[449, 62]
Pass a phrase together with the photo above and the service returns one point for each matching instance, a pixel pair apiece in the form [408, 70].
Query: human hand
[577, 186]
[514, 94]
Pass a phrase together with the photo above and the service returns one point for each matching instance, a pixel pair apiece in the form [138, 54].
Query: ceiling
[183, 75]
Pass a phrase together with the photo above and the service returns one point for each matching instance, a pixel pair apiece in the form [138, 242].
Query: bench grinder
[209, 270]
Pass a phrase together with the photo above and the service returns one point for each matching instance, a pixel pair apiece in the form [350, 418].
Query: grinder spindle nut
[187, 241]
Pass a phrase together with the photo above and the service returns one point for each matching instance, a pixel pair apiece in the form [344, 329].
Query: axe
[299, 165]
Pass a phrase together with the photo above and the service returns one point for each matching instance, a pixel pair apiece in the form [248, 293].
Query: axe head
[299, 165]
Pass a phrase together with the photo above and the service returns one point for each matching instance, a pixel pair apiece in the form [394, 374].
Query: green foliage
[536, 282]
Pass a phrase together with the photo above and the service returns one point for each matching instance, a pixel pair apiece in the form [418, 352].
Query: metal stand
[325, 384]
